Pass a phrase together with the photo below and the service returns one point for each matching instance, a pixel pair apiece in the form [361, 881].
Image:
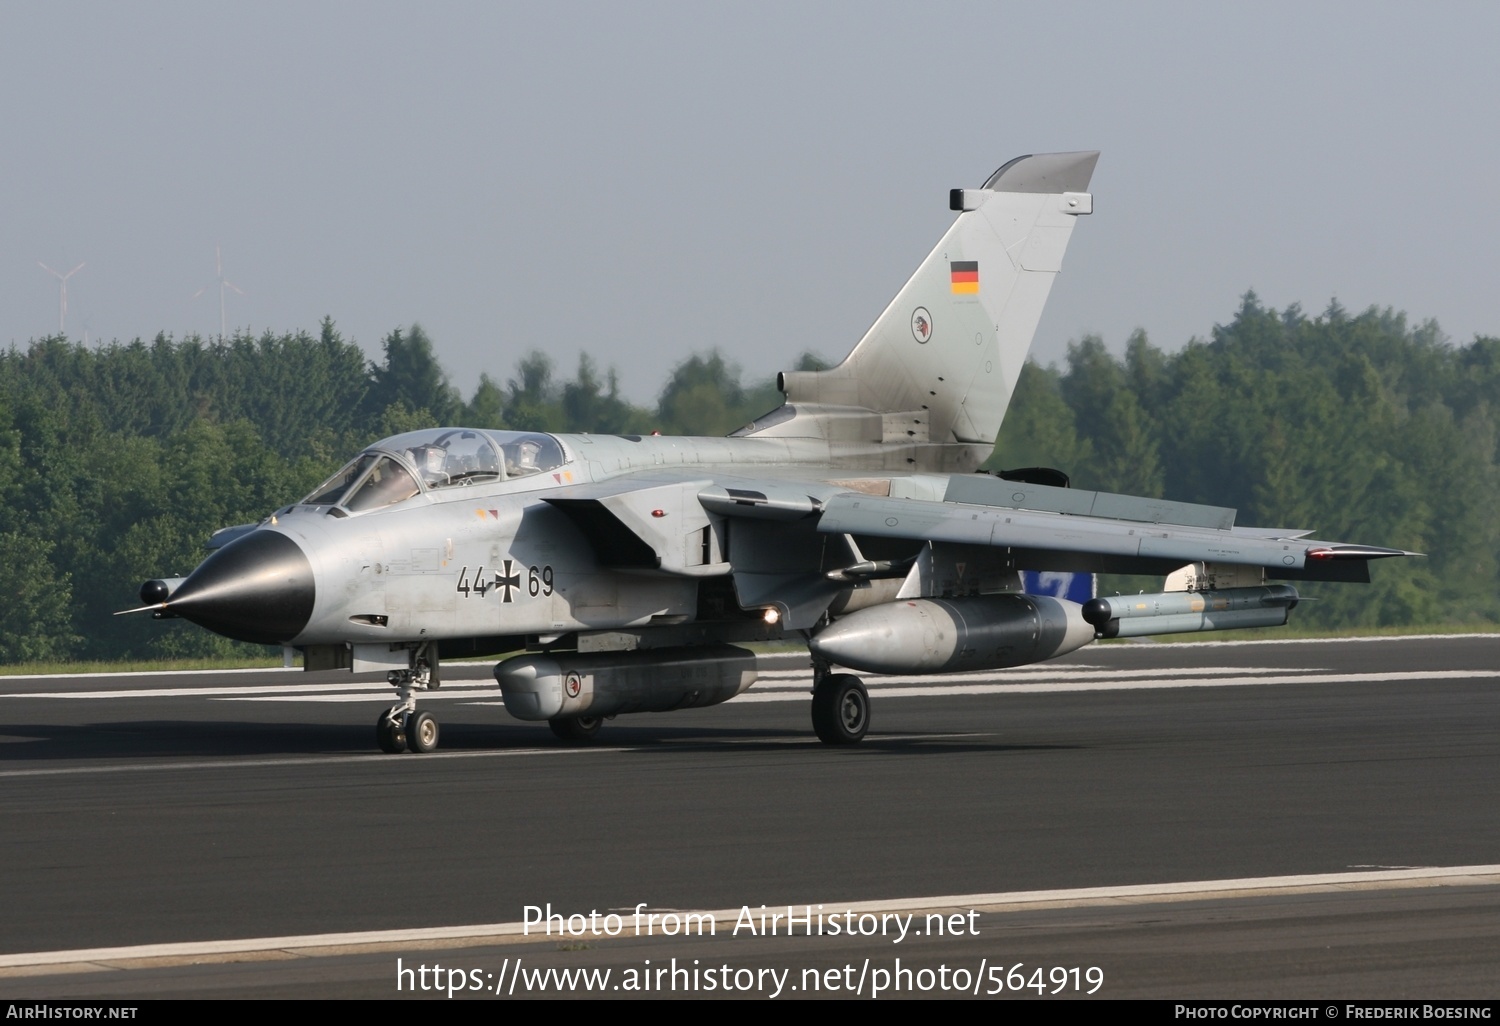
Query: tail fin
[954, 339]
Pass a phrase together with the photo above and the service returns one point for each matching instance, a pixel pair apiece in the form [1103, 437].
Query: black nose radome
[257, 588]
[153, 592]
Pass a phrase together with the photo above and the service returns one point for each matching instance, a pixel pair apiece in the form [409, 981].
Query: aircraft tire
[841, 709]
[575, 728]
[391, 737]
[421, 732]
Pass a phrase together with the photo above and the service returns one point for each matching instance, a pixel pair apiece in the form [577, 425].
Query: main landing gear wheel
[421, 732]
[575, 728]
[840, 709]
[390, 733]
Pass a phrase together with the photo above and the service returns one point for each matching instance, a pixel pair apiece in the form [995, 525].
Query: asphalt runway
[1338, 784]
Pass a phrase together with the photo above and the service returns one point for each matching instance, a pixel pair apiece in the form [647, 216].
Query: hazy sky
[642, 181]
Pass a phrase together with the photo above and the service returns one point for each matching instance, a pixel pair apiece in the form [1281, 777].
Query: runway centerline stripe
[515, 932]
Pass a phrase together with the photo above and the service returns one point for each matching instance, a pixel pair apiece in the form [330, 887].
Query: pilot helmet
[429, 459]
[527, 453]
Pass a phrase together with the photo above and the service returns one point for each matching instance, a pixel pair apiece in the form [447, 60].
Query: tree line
[118, 461]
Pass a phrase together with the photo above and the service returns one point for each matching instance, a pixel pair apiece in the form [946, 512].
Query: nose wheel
[421, 732]
[401, 727]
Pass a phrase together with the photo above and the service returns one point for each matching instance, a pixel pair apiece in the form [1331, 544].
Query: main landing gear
[402, 727]
[576, 728]
[840, 707]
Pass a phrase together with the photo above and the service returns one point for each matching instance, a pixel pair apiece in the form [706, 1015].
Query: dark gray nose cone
[153, 592]
[257, 588]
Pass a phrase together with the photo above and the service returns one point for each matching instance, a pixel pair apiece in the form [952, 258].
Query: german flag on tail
[965, 276]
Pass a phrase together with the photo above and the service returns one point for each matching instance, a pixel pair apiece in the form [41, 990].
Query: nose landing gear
[401, 727]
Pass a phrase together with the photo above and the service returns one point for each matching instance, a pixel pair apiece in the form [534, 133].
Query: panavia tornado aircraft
[622, 573]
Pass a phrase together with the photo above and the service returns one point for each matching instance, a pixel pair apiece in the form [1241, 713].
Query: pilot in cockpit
[429, 460]
[520, 459]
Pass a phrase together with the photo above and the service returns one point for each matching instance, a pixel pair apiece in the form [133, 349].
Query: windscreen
[329, 492]
[387, 483]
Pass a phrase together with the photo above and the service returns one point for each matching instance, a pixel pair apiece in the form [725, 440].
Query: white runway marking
[361, 689]
[369, 759]
[794, 685]
[312, 945]
[1146, 643]
[386, 695]
[1035, 670]
[799, 681]
[136, 673]
[940, 686]
[1143, 645]
[263, 689]
[1010, 677]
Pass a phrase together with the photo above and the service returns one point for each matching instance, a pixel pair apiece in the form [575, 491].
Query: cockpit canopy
[389, 471]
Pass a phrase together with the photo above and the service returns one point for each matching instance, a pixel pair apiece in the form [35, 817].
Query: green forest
[118, 461]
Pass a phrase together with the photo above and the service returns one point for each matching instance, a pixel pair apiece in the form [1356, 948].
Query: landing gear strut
[390, 731]
[840, 707]
[401, 727]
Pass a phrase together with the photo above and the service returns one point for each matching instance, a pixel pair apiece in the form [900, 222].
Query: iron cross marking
[511, 581]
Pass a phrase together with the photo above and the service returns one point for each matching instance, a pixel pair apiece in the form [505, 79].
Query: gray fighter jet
[623, 573]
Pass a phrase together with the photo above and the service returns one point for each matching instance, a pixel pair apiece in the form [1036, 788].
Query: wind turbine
[223, 284]
[62, 302]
